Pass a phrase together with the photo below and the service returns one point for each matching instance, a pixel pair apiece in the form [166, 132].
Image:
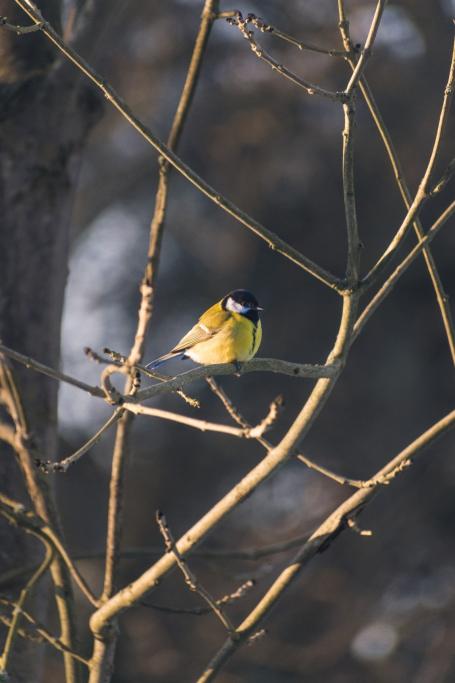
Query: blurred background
[370, 609]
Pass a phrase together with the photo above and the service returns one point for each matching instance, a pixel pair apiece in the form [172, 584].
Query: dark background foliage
[376, 609]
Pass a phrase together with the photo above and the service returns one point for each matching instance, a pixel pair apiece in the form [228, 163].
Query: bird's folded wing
[204, 330]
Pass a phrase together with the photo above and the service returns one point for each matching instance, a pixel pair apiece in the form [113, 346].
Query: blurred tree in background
[370, 609]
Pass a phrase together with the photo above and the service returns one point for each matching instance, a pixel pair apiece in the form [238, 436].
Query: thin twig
[366, 51]
[238, 417]
[204, 425]
[320, 541]
[444, 179]
[116, 358]
[44, 507]
[269, 420]
[242, 24]
[190, 579]
[47, 466]
[104, 648]
[385, 136]
[50, 372]
[262, 26]
[353, 242]
[273, 241]
[424, 189]
[270, 464]
[226, 401]
[301, 370]
[16, 514]
[402, 267]
[19, 605]
[19, 30]
[44, 633]
[199, 611]
[176, 383]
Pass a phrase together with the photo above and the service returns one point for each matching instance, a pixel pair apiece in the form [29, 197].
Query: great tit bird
[230, 331]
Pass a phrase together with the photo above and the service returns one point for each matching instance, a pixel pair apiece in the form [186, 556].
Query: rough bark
[45, 116]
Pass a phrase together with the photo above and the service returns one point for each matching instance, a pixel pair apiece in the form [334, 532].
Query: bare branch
[118, 359]
[199, 611]
[320, 541]
[273, 241]
[20, 30]
[272, 462]
[423, 191]
[444, 179]
[262, 26]
[441, 296]
[254, 365]
[18, 606]
[268, 421]
[238, 417]
[44, 633]
[50, 372]
[366, 52]
[204, 425]
[310, 88]
[47, 466]
[389, 284]
[353, 257]
[190, 578]
[15, 513]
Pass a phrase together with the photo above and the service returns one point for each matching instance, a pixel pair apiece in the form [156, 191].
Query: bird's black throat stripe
[255, 329]
[252, 315]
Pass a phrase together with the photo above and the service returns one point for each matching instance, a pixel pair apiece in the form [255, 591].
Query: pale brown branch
[199, 611]
[385, 136]
[104, 650]
[44, 633]
[13, 629]
[283, 367]
[275, 459]
[238, 417]
[47, 466]
[262, 26]
[268, 421]
[247, 432]
[190, 579]
[242, 24]
[50, 372]
[319, 541]
[423, 191]
[116, 358]
[15, 513]
[44, 508]
[273, 241]
[202, 425]
[389, 284]
[366, 51]
[444, 179]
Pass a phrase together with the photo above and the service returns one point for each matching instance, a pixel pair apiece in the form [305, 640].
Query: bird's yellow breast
[237, 340]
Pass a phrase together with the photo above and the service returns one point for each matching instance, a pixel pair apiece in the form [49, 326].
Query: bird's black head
[243, 302]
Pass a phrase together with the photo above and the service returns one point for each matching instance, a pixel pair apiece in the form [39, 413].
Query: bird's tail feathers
[163, 359]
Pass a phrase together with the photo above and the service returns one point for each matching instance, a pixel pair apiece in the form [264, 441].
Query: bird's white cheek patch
[236, 307]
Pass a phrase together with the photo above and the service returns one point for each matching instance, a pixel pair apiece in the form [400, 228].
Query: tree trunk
[45, 115]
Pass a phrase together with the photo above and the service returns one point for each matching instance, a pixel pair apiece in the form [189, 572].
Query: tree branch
[320, 541]
[389, 284]
[273, 241]
[310, 88]
[190, 578]
[423, 191]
